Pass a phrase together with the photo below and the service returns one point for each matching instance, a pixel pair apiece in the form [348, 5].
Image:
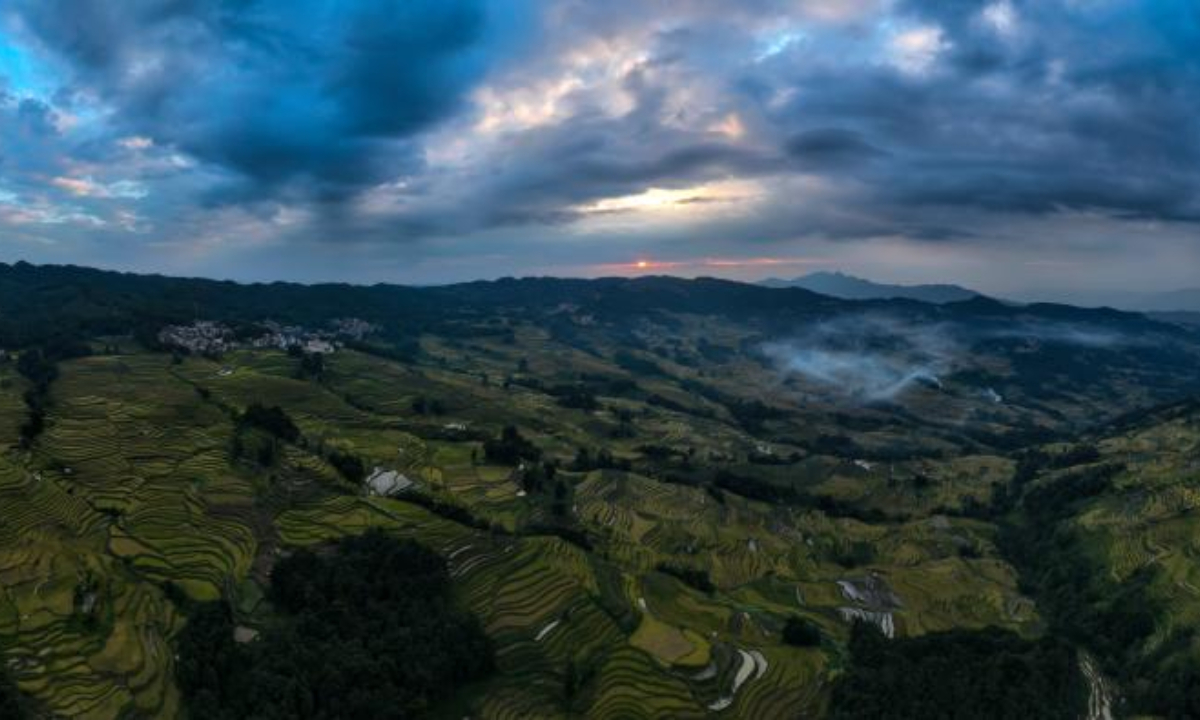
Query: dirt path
[1099, 691]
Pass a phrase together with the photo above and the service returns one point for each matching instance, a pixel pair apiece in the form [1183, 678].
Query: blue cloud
[450, 125]
[291, 95]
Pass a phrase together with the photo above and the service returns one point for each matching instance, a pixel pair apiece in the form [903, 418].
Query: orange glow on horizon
[701, 264]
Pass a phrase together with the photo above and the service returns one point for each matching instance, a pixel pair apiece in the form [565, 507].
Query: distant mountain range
[848, 287]
[41, 303]
[1187, 300]
[1179, 306]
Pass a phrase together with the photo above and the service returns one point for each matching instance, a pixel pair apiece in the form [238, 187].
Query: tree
[570, 681]
[801, 633]
[13, 704]
[695, 577]
[272, 420]
[312, 365]
[989, 673]
[349, 465]
[559, 507]
[367, 631]
[510, 448]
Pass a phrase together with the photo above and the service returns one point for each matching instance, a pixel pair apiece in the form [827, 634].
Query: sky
[1026, 148]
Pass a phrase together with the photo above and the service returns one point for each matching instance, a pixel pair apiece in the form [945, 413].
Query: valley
[635, 486]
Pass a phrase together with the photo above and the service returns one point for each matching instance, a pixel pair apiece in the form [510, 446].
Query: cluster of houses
[208, 337]
[286, 337]
[202, 336]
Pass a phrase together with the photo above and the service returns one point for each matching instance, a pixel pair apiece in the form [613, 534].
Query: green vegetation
[13, 704]
[510, 448]
[694, 577]
[647, 517]
[38, 366]
[272, 420]
[366, 632]
[350, 466]
[980, 674]
[1096, 531]
[801, 633]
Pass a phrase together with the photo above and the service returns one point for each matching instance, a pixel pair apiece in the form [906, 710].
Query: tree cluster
[691, 576]
[799, 632]
[603, 459]
[349, 465]
[422, 405]
[990, 673]
[366, 632]
[272, 420]
[13, 704]
[575, 397]
[1117, 619]
[39, 365]
[510, 448]
[311, 366]
[766, 491]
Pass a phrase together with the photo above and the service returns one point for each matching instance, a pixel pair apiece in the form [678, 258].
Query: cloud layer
[876, 357]
[441, 139]
[869, 357]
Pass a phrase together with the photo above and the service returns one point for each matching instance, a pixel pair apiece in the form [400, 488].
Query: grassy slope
[132, 487]
[1134, 548]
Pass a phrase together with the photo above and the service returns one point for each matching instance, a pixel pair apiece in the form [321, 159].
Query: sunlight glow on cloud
[687, 203]
[706, 265]
[467, 135]
[1002, 17]
[48, 214]
[593, 74]
[135, 142]
[87, 187]
[916, 50]
[730, 126]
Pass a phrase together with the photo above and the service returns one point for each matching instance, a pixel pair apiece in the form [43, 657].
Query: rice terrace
[635, 511]
[637, 359]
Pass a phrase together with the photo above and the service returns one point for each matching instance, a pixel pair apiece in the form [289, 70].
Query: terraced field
[132, 490]
[1143, 531]
[632, 583]
[12, 408]
[82, 632]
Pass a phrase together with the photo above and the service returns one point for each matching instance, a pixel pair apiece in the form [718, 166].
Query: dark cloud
[1015, 119]
[295, 95]
[443, 123]
[1028, 118]
[831, 148]
[35, 118]
[28, 139]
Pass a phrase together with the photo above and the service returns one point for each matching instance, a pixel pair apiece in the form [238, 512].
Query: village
[206, 337]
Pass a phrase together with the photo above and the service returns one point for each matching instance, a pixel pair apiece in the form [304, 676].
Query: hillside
[848, 287]
[657, 497]
[1105, 534]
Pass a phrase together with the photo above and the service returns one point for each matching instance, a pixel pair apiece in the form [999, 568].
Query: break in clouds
[431, 140]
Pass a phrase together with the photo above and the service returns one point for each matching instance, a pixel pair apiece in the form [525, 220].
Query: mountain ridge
[105, 296]
[850, 287]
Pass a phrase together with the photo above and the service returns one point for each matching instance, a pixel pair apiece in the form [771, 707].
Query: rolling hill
[849, 287]
[634, 487]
